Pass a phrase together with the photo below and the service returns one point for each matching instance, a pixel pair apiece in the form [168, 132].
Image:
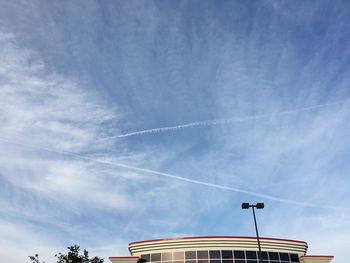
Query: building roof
[217, 242]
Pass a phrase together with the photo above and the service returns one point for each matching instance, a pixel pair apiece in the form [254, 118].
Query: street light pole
[258, 206]
[257, 235]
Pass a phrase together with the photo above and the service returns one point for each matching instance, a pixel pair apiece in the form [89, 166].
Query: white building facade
[219, 249]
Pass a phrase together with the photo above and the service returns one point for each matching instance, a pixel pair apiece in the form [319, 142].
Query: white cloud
[20, 240]
[325, 232]
[43, 109]
[46, 117]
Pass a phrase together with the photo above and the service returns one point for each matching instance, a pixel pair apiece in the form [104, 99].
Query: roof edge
[317, 256]
[126, 257]
[209, 237]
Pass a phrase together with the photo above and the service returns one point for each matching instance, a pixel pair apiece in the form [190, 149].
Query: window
[190, 254]
[220, 256]
[146, 257]
[202, 254]
[155, 257]
[294, 257]
[239, 254]
[167, 256]
[274, 256]
[227, 254]
[214, 254]
[251, 254]
[264, 255]
[179, 255]
[284, 257]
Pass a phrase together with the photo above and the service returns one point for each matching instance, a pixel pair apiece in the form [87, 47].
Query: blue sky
[131, 120]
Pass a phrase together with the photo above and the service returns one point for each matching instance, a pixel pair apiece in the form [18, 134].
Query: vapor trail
[167, 175]
[222, 121]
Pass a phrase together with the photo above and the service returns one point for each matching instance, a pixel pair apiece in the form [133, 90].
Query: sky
[130, 120]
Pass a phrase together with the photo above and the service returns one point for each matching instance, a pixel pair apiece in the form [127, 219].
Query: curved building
[219, 249]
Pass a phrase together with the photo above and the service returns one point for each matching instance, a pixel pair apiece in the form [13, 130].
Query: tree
[72, 256]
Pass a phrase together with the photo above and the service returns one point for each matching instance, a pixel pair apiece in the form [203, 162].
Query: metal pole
[257, 235]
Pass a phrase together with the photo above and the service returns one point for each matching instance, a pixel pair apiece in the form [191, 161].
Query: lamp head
[245, 205]
[259, 205]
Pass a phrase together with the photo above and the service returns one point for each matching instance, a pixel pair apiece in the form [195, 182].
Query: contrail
[221, 121]
[162, 174]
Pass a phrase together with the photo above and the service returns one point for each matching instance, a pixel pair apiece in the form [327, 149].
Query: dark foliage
[72, 256]
[141, 260]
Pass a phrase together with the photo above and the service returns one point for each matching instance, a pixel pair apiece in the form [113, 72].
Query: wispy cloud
[67, 178]
[41, 107]
[224, 121]
[260, 97]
